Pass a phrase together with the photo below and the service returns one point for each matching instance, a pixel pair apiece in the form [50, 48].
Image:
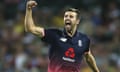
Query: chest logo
[70, 53]
[63, 39]
[79, 43]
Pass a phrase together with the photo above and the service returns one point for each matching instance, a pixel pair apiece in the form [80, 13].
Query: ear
[78, 21]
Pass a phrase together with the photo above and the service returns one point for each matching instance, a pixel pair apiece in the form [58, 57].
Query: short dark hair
[73, 10]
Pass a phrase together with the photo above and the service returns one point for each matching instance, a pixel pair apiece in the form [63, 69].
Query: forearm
[91, 62]
[29, 23]
[28, 19]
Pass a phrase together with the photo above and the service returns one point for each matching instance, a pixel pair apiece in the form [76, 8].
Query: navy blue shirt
[65, 53]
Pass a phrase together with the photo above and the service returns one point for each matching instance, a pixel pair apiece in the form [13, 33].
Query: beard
[68, 28]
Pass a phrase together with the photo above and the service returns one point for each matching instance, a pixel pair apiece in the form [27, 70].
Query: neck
[72, 32]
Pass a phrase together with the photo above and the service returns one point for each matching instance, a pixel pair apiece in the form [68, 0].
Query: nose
[68, 17]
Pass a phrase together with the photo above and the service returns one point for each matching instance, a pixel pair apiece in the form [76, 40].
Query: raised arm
[29, 23]
[91, 61]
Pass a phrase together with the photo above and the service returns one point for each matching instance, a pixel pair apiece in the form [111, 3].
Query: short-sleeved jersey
[65, 53]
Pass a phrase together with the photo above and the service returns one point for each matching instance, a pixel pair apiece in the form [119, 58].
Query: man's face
[70, 20]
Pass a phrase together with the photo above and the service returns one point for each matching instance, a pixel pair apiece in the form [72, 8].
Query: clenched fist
[31, 4]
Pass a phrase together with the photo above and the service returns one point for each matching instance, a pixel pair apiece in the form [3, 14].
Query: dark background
[23, 52]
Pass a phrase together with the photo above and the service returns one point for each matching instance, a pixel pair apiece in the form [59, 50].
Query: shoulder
[85, 39]
[84, 36]
[54, 30]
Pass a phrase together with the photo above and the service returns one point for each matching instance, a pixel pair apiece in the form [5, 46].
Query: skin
[69, 17]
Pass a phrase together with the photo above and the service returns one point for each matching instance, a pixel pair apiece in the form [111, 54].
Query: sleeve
[49, 36]
[87, 48]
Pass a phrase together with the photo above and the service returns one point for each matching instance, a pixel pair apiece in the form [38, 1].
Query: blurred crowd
[22, 51]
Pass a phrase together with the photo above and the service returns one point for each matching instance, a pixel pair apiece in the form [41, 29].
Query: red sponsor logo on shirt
[70, 53]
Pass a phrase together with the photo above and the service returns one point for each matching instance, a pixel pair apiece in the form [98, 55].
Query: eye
[71, 16]
[66, 16]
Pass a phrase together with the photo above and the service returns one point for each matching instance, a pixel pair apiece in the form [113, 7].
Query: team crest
[79, 43]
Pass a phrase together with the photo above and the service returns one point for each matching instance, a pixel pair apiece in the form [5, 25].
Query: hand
[31, 4]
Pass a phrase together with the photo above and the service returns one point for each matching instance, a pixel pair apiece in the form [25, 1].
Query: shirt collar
[66, 35]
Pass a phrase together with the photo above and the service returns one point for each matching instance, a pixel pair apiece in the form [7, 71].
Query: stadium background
[24, 52]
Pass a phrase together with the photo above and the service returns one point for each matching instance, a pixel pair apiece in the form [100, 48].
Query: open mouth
[67, 22]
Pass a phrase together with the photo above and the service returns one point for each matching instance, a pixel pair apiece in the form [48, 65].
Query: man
[67, 46]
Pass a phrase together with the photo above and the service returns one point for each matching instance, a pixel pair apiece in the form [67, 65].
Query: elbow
[88, 60]
[27, 28]
[30, 29]
[88, 57]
